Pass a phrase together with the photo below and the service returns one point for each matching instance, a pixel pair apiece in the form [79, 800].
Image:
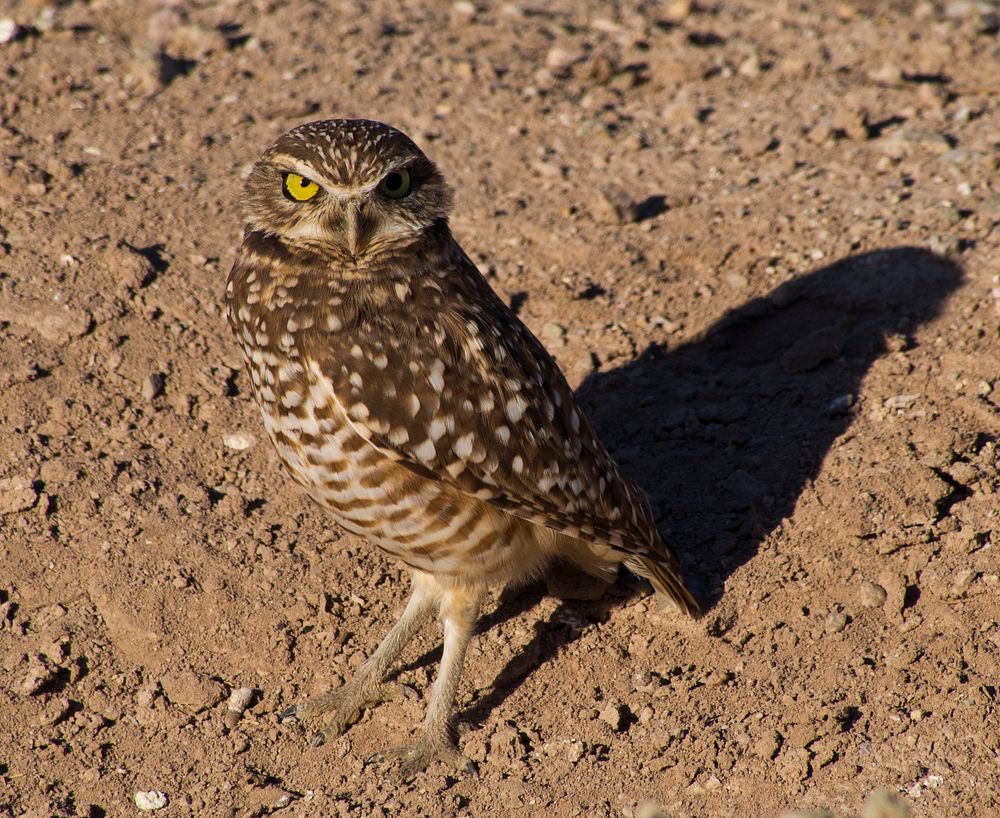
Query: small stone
[149, 800]
[888, 74]
[463, 11]
[871, 594]
[553, 331]
[575, 750]
[900, 402]
[41, 672]
[835, 622]
[9, 30]
[677, 12]
[852, 121]
[238, 441]
[614, 716]
[884, 804]
[559, 59]
[816, 348]
[240, 699]
[187, 689]
[895, 591]
[129, 268]
[612, 206]
[644, 682]
[962, 582]
[55, 711]
[152, 387]
[750, 67]
[16, 494]
[840, 405]
[794, 764]
[915, 137]
[768, 745]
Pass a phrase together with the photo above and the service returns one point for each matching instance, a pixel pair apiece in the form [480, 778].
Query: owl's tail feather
[667, 582]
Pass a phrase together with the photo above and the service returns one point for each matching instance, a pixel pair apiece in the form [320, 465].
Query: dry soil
[761, 238]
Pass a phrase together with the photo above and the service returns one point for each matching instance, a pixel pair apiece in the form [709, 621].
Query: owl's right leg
[368, 686]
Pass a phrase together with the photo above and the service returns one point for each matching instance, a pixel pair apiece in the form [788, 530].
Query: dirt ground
[761, 238]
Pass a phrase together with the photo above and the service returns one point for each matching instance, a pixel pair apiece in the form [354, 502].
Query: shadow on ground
[726, 431]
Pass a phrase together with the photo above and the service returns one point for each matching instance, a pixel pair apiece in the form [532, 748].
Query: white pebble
[238, 441]
[150, 800]
[240, 699]
[8, 30]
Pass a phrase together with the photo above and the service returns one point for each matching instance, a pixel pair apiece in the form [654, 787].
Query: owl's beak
[357, 230]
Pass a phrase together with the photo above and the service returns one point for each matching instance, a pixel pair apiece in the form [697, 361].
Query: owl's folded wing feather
[475, 400]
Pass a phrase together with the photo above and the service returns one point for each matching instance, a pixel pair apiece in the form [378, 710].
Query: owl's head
[352, 188]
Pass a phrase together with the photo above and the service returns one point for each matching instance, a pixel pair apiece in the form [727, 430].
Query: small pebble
[41, 672]
[553, 331]
[871, 594]
[840, 405]
[152, 387]
[9, 30]
[894, 585]
[148, 800]
[239, 700]
[963, 580]
[613, 716]
[238, 441]
[836, 621]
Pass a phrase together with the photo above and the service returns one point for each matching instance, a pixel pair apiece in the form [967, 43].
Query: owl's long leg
[437, 741]
[368, 686]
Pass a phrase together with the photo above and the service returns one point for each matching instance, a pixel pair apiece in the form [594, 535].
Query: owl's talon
[416, 757]
[337, 710]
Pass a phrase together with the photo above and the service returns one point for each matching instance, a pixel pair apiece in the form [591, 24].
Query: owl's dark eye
[395, 185]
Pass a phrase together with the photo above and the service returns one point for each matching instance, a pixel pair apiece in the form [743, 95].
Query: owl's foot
[418, 756]
[339, 709]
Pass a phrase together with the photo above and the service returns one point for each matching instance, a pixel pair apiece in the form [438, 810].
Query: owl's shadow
[725, 431]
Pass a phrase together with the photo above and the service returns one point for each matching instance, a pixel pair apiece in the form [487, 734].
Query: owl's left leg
[438, 739]
[340, 708]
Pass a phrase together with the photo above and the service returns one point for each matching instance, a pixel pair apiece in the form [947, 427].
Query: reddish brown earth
[764, 241]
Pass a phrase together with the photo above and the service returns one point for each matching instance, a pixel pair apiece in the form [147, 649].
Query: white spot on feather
[425, 451]
[436, 375]
[463, 446]
[515, 408]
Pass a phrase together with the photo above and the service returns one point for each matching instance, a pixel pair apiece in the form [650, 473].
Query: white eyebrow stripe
[302, 169]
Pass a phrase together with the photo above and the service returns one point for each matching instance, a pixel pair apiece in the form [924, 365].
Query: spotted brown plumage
[407, 399]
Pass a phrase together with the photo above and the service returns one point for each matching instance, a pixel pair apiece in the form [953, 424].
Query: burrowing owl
[409, 401]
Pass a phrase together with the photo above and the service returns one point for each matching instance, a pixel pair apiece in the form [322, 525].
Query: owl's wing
[456, 388]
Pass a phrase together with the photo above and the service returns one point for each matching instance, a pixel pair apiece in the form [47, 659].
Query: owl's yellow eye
[298, 188]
